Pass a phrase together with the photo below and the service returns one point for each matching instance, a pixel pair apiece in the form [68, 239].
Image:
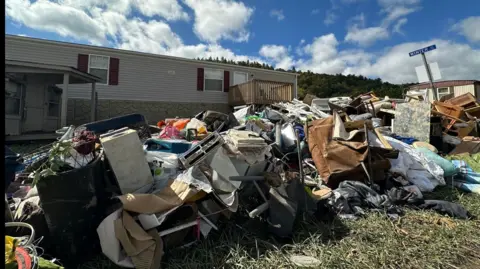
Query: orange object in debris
[160, 123]
[180, 124]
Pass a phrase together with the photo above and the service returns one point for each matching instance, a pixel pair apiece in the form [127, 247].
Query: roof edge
[137, 53]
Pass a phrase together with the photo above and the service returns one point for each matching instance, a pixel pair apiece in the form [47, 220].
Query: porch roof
[52, 70]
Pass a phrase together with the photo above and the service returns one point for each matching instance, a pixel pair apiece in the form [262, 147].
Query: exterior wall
[459, 90]
[142, 77]
[154, 111]
[12, 125]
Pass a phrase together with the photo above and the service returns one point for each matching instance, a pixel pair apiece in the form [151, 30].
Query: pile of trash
[134, 191]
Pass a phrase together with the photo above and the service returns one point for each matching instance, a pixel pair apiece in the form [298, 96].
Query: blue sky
[364, 37]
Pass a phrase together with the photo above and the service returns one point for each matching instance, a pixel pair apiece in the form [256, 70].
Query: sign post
[429, 73]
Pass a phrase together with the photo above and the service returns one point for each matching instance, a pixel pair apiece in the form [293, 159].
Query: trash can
[74, 203]
[12, 164]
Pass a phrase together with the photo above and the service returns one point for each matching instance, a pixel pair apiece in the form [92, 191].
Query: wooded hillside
[324, 85]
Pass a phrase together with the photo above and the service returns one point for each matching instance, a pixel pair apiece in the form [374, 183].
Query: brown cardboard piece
[175, 194]
[145, 250]
[466, 146]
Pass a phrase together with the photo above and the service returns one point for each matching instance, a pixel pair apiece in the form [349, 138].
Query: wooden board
[464, 100]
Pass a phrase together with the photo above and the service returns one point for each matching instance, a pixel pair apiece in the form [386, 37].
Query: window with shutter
[98, 65]
[214, 80]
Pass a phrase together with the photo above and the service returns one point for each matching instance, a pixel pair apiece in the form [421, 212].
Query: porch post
[93, 103]
[63, 113]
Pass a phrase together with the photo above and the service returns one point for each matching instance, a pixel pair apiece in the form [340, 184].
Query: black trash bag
[273, 115]
[73, 203]
[351, 198]
[217, 121]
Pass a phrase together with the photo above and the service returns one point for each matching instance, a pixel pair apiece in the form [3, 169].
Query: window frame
[440, 95]
[52, 87]
[205, 79]
[108, 67]
[20, 98]
[246, 75]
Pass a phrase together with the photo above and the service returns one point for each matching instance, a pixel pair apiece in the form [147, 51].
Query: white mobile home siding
[459, 90]
[142, 77]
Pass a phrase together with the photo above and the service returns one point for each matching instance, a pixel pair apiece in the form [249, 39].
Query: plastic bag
[170, 132]
[197, 125]
[164, 166]
[448, 168]
[415, 167]
[9, 249]
[180, 124]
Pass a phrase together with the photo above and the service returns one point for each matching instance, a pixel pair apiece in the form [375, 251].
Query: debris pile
[135, 191]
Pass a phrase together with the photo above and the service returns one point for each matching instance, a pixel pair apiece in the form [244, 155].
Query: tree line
[325, 85]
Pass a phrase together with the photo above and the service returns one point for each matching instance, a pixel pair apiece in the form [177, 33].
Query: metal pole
[434, 91]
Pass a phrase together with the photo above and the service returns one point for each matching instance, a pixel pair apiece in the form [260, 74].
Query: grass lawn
[419, 239]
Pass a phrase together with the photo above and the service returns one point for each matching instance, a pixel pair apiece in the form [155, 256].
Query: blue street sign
[420, 51]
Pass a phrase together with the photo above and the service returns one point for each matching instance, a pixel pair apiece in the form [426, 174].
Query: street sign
[420, 51]
[422, 73]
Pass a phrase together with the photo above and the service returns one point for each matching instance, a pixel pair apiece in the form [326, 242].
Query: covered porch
[36, 97]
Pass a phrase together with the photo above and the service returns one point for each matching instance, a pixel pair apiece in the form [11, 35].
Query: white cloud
[100, 25]
[396, 9]
[278, 55]
[221, 19]
[456, 61]
[366, 36]
[322, 54]
[396, 12]
[277, 13]
[389, 3]
[469, 27]
[169, 9]
[53, 17]
[398, 26]
[315, 11]
[330, 17]
[357, 33]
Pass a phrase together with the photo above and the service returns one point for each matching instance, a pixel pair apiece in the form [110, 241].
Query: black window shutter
[226, 81]
[113, 71]
[82, 62]
[200, 78]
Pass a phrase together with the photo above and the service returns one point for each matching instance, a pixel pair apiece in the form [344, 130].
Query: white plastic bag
[197, 125]
[164, 166]
[412, 164]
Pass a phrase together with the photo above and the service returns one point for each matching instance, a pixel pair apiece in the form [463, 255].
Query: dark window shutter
[113, 71]
[200, 78]
[226, 81]
[82, 62]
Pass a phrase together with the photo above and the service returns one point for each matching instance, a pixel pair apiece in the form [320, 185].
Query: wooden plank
[383, 140]
[446, 115]
[354, 124]
[463, 100]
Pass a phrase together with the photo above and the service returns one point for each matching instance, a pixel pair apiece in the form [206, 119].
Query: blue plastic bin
[171, 146]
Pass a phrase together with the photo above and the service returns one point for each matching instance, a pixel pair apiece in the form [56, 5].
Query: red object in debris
[23, 259]
[85, 142]
[160, 123]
